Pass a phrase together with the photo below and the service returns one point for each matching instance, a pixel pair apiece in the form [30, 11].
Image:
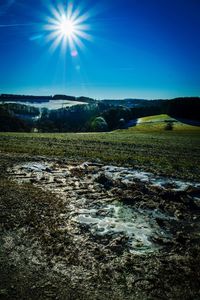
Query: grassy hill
[159, 122]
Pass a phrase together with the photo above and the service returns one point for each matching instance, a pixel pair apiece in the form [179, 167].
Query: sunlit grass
[162, 117]
[158, 123]
[172, 153]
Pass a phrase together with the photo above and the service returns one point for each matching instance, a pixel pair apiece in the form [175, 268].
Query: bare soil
[90, 231]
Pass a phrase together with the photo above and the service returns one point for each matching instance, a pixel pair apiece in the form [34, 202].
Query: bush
[169, 125]
[99, 124]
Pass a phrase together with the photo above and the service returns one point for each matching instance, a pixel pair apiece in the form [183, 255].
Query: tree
[99, 124]
[169, 125]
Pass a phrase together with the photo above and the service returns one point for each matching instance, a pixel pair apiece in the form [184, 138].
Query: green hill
[161, 122]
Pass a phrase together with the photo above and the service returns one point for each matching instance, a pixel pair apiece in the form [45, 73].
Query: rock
[179, 214]
[130, 200]
[118, 243]
[162, 240]
[58, 249]
[193, 191]
[105, 181]
[138, 244]
[160, 222]
[196, 202]
[58, 180]
[102, 212]
[181, 238]
[33, 180]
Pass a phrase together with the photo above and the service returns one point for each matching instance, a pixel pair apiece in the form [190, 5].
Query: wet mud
[116, 227]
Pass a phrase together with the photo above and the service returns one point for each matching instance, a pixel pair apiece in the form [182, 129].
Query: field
[76, 230]
[146, 146]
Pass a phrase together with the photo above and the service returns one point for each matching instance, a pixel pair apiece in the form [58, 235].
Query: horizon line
[111, 99]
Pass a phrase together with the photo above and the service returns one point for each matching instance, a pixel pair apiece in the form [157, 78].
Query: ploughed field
[91, 216]
[172, 153]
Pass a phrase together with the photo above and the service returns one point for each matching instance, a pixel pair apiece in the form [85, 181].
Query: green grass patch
[159, 122]
[155, 118]
[174, 153]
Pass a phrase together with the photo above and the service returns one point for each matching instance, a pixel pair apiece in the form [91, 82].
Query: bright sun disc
[67, 27]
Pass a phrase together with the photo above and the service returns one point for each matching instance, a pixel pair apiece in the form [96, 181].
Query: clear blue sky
[139, 49]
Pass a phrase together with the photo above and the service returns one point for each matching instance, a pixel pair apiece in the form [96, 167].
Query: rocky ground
[74, 230]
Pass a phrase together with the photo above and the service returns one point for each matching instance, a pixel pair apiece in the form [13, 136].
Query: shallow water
[91, 205]
[128, 175]
[138, 226]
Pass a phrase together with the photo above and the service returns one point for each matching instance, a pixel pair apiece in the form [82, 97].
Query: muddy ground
[72, 230]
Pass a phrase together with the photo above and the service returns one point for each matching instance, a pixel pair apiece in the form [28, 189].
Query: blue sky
[139, 49]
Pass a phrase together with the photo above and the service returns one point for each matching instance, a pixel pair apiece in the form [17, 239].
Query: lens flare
[67, 28]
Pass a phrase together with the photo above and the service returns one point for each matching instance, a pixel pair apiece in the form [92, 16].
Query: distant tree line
[72, 98]
[70, 119]
[31, 98]
[95, 116]
[10, 123]
[20, 109]
[185, 108]
[25, 98]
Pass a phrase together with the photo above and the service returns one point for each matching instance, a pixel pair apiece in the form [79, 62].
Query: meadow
[45, 254]
[148, 147]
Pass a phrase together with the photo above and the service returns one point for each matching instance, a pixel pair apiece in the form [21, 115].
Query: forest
[95, 116]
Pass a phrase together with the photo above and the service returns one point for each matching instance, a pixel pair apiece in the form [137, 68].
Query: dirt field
[92, 231]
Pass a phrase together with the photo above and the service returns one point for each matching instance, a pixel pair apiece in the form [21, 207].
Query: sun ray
[81, 19]
[84, 35]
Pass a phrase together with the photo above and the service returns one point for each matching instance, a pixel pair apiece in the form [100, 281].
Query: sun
[67, 27]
